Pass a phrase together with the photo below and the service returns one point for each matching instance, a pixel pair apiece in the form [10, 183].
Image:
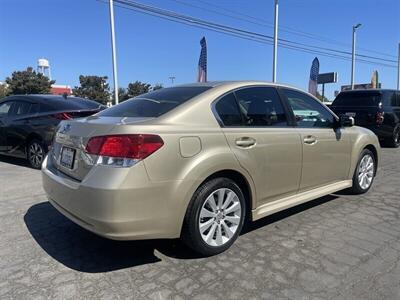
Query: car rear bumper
[127, 206]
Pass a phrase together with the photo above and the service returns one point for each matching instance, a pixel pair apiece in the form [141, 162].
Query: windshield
[155, 103]
[357, 99]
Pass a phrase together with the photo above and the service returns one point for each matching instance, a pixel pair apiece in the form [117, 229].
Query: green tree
[4, 91]
[28, 82]
[157, 86]
[122, 94]
[319, 96]
[137, 88]
[93, 87]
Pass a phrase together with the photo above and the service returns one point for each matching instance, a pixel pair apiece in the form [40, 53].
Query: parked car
[195, 161]
[377, 110]
[28, 122]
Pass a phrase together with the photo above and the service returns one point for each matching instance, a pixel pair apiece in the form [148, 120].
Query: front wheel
[215, 217]
[364, 173]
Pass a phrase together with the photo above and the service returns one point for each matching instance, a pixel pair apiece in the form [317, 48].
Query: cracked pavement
[335, 247]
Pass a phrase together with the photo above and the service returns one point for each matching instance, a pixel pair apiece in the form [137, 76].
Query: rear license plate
[351, 114]
[67, 157]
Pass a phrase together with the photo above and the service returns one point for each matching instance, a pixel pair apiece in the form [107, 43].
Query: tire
[35, 153]
[365, 170]
[394, 141]
[220, 224]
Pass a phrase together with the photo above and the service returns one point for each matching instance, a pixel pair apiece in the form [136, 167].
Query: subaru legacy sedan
[196, 161]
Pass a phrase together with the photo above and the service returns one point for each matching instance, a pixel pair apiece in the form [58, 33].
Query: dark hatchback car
[28, 122]
[377, 110]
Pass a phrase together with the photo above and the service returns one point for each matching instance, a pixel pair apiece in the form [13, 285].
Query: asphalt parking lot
[336, 247]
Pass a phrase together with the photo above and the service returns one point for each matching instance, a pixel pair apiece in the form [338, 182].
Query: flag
[202, 71]
[313, 83]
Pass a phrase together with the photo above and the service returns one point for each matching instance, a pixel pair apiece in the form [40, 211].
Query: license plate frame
[67, 157]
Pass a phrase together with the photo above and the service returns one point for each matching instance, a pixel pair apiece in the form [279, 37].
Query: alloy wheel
[366, 171]
[36, 154]
[220, 217]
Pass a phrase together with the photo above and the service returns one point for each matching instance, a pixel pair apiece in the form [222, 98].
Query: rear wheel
[215, 217]
[394, 141]
[364, 173]
[36, 153]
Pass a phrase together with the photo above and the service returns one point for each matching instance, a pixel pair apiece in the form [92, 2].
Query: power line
[262, 22]
[240, 33]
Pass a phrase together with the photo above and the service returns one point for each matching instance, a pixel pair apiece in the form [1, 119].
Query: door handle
[245, 142]
[310, 140]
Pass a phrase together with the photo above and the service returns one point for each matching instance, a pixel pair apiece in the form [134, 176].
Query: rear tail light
[379, 118]
[123, 150]
[62, 116]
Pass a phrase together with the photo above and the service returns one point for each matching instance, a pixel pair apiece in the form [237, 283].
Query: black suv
[28, 122]
[377, 110]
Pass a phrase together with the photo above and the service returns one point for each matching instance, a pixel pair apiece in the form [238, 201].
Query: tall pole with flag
[313, 83]
[202, 68]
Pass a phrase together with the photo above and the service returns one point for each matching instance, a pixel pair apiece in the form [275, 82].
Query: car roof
[234, 82]
[369, 91]
[42, 97]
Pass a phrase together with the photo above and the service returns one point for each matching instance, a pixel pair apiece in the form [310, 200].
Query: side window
[34, 108]
[309, 112]
[21, 108]
[228, 111]
[5, 108]
[261, 106]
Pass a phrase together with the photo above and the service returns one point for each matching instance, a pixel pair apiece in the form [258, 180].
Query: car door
[326, 148]
[18, 127]
[4, 110]
[258, 131]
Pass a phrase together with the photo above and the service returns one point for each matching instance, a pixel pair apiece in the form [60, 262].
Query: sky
[74, 35]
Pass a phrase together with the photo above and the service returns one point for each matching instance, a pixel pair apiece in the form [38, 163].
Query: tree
[137, 88]
[28, 82]
[319, 96]
[157, 86]
[94, 88]
[122, 94]
[4, 90]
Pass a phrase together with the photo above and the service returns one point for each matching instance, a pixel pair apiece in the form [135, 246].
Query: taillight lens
[380, 118]
[62, 116]
[135, 147]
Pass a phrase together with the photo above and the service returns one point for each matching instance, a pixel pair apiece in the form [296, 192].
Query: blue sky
[75, 36]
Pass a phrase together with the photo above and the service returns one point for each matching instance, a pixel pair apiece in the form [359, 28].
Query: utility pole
[275, 54]
[172, 78]
[353, 54]
[398, 69]
[114, 54]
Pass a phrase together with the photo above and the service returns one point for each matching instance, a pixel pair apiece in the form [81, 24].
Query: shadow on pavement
[14, 161]
[81, 250]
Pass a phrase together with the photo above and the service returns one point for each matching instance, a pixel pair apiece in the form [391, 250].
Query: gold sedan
[196, 161]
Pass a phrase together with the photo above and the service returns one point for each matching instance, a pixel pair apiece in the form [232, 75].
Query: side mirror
[346, 121]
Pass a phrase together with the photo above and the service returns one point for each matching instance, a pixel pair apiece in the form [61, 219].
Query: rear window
[357, 99]
[155, 103]
[72, 103]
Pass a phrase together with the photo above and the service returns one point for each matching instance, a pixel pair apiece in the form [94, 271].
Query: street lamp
[353, 54]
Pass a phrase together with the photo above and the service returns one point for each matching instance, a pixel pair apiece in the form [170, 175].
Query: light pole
[353, 54]
[275, 54]
[114, 54]
[172, 78]
[398, 69]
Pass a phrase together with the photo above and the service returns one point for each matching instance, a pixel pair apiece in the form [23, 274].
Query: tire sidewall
[396, 131]
[197, 243]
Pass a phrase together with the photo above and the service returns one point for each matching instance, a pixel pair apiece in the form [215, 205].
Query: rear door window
[261, 106]
[228, 111]
[20, 108]
[357, 99]
[155, 103]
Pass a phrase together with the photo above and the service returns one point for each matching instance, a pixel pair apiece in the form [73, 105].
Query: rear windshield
[72, 103]
[357, 99]
[155, 103]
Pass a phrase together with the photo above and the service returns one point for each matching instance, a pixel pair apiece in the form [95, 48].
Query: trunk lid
[363, 116]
